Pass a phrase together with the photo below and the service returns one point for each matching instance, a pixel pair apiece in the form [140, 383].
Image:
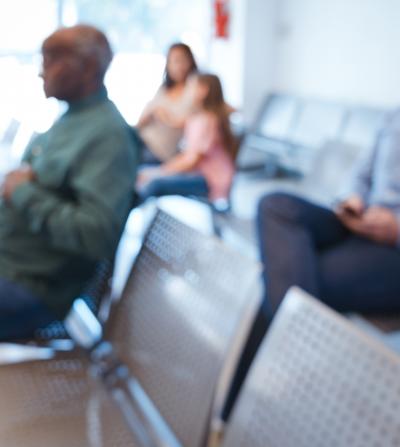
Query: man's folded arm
[90, 224]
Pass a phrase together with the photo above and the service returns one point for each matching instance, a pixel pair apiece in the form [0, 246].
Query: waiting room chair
[276, 116]
[329, 172]
[317, 380]
[318, 121]
[183, 318]
[59, 402]
[288, 130]
[50, 395]
[363, 125]
[267, 138]
[95, 291]
[178, 329]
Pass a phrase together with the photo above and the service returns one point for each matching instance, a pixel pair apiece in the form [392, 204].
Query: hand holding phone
[350, 211]
[352, 207]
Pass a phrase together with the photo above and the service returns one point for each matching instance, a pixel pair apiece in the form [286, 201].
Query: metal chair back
[182, 321]
[55, 402]
[317, 380]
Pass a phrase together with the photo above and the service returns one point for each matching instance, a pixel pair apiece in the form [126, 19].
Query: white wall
[341, 49]
[345, 50]
[260, 53]
[245, 60]
[226, 56]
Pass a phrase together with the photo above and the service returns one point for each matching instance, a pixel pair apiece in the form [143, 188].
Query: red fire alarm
[221, 10]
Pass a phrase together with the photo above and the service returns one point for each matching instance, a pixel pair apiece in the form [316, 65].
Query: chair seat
[317, 380]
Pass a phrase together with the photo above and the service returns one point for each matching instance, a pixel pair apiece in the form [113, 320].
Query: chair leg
[217, 230]
[254, 340]
[218, 211]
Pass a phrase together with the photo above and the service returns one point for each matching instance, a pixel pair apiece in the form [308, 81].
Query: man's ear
[92, 69]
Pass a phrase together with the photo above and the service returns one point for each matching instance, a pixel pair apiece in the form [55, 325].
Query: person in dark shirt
[65, 207]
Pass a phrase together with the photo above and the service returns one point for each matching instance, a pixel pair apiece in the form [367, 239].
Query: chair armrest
[19, 353]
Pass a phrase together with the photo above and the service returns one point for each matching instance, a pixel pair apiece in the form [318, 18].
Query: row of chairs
[184, 309]
[155, 370]
[289, 130]
[321, 140]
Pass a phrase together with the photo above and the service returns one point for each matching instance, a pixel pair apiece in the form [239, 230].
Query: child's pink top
[203, 135]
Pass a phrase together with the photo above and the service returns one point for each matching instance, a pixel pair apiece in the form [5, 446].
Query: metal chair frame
[147, 425]
[317, 380]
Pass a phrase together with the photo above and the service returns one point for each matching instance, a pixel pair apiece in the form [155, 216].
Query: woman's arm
[146, 116]
[149, 111]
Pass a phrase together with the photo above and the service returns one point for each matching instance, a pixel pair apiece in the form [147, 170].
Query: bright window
[140, 32]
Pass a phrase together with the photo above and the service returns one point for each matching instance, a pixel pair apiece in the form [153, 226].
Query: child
[205, 167]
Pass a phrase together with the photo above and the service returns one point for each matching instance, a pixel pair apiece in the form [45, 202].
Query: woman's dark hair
[214, 102]
[168, 82]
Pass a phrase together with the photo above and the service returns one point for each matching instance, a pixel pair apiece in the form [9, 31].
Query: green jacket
[54, 229]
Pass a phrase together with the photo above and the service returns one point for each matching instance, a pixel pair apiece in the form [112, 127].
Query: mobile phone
[350, 211]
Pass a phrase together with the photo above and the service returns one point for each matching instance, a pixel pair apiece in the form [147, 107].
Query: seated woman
[161, 123]
[205, 167]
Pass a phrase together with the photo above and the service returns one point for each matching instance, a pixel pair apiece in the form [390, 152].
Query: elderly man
[65, 207]
[349, 258]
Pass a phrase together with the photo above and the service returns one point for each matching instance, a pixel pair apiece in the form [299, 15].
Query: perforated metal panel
[317, 122]
[332, 166]
[277, 116]
[54, 403]
[363, 126]
[186, 301]
[317, 381]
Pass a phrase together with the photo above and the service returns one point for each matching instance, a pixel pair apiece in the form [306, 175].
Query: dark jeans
[21, 313]
[148, 158]
[181, 184]
[306, 245]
